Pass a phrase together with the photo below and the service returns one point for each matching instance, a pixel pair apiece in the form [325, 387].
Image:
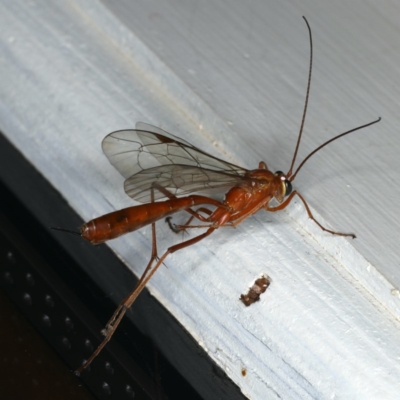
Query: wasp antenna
[65, 230]
[289, 174]
[329, 141]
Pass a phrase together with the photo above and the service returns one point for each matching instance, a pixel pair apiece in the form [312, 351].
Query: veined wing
[148, 155]
[178, 180]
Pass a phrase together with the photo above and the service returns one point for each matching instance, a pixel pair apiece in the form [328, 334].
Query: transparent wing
[178, 180]
[148, 155]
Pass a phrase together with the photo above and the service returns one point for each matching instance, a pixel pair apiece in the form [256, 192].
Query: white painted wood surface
[230, 78]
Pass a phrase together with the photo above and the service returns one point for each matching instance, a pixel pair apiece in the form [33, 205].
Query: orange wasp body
[158, 165]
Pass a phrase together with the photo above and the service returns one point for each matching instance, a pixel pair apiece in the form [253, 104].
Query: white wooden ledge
[230, 78]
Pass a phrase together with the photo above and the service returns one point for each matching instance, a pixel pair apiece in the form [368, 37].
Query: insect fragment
[254, 293]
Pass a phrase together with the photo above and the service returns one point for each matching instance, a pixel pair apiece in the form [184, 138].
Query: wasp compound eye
[288, 185]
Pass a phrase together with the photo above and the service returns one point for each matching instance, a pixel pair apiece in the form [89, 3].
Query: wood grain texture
[231, 79]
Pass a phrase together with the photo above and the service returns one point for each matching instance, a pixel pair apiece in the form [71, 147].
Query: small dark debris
[254, 293]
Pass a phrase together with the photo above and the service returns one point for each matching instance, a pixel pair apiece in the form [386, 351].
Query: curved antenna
[329, 141]
[65, 230]
[289, 174]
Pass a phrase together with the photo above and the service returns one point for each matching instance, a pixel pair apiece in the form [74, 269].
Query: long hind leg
[109, 328]
[128, 301]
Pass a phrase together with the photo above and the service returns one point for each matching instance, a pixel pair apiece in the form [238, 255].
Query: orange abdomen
[117, 223]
